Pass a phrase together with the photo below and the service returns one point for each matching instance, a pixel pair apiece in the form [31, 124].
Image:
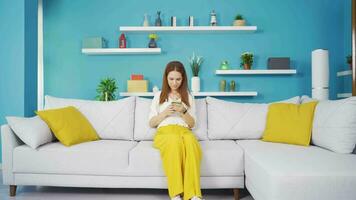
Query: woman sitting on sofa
[173, 113]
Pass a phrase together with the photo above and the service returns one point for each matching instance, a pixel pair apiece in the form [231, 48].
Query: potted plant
[153, 37]
[349, 60]
[246, 60]
[106, 90]
[239, 20]
[195, 63]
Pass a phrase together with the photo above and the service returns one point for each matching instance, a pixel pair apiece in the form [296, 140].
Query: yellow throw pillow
[69, 125]
[289, 123]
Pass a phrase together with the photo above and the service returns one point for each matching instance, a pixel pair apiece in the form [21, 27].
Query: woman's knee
[190, 137]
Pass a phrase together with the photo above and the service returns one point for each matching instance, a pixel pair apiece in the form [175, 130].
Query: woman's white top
[175, 118]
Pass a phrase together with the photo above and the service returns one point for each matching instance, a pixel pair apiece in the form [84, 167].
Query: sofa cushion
[102, 157]
[220, 158]
[281, 171]
[32, 131]
[289, 123]
[231, 120]
[69, 125]
[142, 130]
[334, 126]
[111, 120]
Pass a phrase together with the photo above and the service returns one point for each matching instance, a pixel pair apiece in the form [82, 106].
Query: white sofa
[229, 136]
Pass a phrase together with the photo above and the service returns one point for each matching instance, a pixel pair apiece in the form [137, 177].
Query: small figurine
[145, 21]
[213, 18]
[224, 65]
[158, 19]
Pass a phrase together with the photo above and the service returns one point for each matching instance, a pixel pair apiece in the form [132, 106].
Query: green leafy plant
[106, 90]
[195, 62]
[349, 59]
[153, 36]
[247, 58]
[239, 17]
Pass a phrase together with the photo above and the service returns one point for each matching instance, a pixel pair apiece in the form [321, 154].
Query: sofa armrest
[9, 142]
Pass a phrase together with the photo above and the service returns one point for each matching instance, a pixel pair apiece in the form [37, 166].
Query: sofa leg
[13, 190]
[236, 194]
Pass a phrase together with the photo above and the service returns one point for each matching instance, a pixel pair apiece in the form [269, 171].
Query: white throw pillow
[32, 131]
[143, 131]
[232, 120]
[111, 120]
[306, 99]
[334, 125]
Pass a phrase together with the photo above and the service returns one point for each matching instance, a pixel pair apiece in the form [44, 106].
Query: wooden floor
[67, 193]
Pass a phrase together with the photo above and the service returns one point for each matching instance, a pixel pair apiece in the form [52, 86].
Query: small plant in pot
[349, 60]
[246, 60]
[195, 63]
[239, 20]
[106, 90]
[153, 37]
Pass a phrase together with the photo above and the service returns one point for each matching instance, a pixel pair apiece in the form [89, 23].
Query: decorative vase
[145, 21]
[222, 86]
[195, 84]
[152, 43]
[239, 23]
[158, 21]
[247, 66]
[232, 86]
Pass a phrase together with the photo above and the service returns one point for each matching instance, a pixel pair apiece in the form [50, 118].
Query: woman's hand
[168, 111]
[179, 108]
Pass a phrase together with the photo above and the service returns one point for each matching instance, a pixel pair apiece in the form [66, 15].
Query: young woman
[173, 113]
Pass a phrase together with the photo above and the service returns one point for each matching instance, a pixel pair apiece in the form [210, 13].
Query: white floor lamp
[320, 74]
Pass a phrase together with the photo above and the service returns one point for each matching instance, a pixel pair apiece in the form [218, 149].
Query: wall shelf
[255, 71]
[197, 94]
[114, 51]
[344, 95]
[187, 28]
[344, 73]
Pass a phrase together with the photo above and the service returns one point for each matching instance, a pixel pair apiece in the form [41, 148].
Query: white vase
[195, 84]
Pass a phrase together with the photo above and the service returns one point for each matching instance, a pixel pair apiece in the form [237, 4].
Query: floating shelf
[344, 95]
[344, 73]
[141, 94]
[197, 94]
[256, 71]
[113, 51]
[186, 28]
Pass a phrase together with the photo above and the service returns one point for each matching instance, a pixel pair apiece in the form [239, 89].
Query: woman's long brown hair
[183, 88]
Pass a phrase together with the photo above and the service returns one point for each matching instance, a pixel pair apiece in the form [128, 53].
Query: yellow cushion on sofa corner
[69, 125]
[289, 123]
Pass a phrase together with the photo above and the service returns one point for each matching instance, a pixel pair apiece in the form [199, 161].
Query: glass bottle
[158, 21]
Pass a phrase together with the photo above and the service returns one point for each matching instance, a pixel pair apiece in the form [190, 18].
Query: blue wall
[285, 28]
[18, 56]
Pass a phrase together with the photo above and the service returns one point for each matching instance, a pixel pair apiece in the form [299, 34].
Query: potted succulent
[153, 37]
[349, 60]
[195, 63]
[239, 20]
[246, 60]
[106, 90]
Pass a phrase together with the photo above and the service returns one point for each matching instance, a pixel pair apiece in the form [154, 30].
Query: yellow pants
[181, 155]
